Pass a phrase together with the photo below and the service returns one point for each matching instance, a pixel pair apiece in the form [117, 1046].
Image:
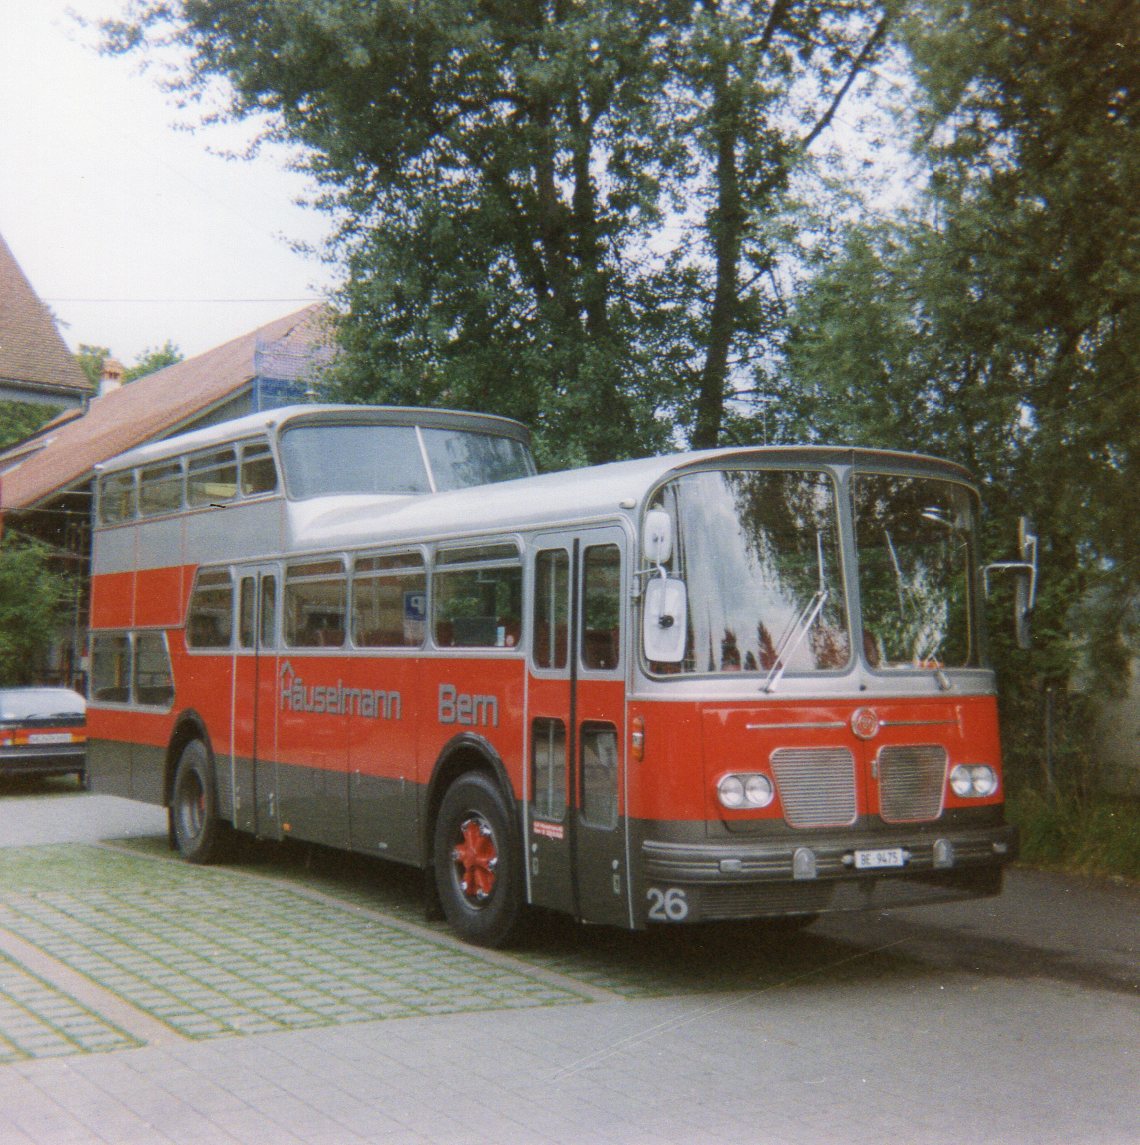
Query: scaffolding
[289, 369]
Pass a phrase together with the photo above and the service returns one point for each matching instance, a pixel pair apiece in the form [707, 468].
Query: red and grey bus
[730, 684]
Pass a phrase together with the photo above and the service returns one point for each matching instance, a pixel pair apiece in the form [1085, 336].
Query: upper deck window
[117, 497]
[160, 488]
[211, 478]
[258, 469]
[321, 460]
[459, 459]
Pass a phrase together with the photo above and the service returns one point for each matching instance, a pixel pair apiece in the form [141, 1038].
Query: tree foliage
[19, 420]
[562, 211]
[93, 359]
[999, 321]
[33, 598]
[153, 359]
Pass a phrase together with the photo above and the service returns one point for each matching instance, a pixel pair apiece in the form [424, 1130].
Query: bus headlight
[745, 790]
[758, 791]
[973, 780]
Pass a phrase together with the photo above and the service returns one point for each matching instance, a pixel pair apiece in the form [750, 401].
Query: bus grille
[816, 785]
[911, 781]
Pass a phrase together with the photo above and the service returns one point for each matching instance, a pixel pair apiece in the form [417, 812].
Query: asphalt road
[1011, 1021]
[1044, 925]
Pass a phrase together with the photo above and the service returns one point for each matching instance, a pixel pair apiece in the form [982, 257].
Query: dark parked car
[43, 731]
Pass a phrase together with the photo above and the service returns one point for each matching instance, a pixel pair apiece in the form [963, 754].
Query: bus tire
[477, 867]
[199, 834]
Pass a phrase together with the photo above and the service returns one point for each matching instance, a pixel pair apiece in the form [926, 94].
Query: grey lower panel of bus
[375, 815]
[132, 770]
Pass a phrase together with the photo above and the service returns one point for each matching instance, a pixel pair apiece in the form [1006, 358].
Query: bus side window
[160, 488]
[154, 682]
[601, 594]
[315, 604]
[210, 621]
[268, 611]
[117, 497]
[389, 601]
[548, 764]
[211, 477]
[247, 605]
[551, 608]
[478, 602]
[258, 469]
[111, 667]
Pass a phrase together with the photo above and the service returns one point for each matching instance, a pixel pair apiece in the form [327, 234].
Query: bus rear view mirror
[657, 537]
[1022, 610]
[665, 620]
[1025, 582]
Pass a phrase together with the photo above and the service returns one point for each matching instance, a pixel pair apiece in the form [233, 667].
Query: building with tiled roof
[35, 364]
[271, 366]
[46, 480]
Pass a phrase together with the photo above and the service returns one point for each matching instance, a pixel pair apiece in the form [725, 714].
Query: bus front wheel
[477, 868]
[200, 835]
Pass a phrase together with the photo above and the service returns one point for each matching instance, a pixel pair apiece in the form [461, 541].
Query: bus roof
[274, 421]
[557, 500]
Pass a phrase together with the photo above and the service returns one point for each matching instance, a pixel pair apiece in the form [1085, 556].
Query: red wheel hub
[476, 858]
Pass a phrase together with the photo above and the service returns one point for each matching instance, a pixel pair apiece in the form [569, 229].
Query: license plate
[883, 857]
[49, 737]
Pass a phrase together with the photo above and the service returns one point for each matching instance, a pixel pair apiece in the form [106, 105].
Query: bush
[1093, 836]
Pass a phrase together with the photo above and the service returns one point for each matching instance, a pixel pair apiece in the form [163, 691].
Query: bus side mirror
[665, 620]
[1025, 584]
[657, 537]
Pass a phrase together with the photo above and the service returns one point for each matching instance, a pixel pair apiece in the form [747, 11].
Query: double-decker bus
[731, 684]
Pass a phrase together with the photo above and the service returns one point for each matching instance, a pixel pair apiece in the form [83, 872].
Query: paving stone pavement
[300, 998]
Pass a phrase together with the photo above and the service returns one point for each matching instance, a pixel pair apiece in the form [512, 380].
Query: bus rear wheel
[200, 835]
[477, 869]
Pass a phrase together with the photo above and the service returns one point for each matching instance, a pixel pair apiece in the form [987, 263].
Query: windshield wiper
[797, 631]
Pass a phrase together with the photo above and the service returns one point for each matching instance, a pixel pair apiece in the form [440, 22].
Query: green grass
[1092, 836]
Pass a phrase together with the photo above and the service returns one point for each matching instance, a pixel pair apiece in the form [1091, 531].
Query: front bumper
[816, 874]
[54, 759]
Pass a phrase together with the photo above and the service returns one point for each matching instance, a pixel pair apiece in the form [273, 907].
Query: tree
[1001, 317]
[93, 359]
[153, 359]
[747, 68]
[19, 420]
[33, 600]
[555, 210]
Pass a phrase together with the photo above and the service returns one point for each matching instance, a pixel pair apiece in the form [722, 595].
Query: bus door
[311, 749]
[255, 703]
[575, 821]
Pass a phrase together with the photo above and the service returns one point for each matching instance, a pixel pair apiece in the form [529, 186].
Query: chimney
[112, 378]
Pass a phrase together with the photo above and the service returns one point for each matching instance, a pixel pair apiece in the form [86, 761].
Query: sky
[132, 230]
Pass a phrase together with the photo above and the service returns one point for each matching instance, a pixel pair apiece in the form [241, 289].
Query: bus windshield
[915, 537]
[323, 460]
[758, 551]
